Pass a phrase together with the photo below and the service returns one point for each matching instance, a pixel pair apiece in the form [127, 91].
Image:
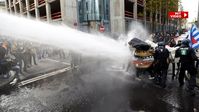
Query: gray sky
[192, 7]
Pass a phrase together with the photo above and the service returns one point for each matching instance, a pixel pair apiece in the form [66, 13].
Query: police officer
[174, 75]
[161, 63]
[187, 60]
[179, 43]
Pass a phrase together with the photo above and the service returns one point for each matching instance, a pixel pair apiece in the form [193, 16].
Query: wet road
[98, 92]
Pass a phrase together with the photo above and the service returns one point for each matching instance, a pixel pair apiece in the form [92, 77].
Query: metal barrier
[141, 2]
[56, 15]
[40, 2]
[24, 10]
[140, 18]
[43, 18]
[129, 14]
[32, 6]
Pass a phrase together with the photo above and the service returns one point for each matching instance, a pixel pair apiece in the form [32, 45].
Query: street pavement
[100, 88]
[44, 66]
[100, 91]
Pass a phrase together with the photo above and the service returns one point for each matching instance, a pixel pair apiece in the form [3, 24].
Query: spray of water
[56, 96]
[61, 36]
[64, 37]
[137, 30]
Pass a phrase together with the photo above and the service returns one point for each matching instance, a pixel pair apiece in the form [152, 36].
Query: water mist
[99, 53]
[62, 37]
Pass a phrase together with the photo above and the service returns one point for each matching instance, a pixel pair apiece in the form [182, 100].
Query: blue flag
[194, 37]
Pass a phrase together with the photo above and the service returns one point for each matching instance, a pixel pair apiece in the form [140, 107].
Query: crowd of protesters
[167, 37]
[26, 53]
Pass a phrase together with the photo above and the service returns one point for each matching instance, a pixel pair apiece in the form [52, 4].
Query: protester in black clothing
[33, 56]
[187, 61]
[173, 63]
[172, 42]
[19, 54]
[2, 52]
[161, 63]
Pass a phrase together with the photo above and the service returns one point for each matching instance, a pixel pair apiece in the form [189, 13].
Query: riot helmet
[179, 41]
[185, 42]
[161, 44]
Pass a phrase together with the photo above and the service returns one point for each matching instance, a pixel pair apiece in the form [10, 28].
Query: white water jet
[66, 38]
[137, 30]
[62, 37]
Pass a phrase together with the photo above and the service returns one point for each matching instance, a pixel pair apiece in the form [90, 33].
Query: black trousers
[161, 76]
[192, 71]
[173, 70]
[161, 73]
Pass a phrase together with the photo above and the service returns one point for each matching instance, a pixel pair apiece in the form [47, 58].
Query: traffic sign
[102, 29]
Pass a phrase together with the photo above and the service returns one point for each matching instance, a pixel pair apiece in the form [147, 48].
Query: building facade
[2, 6]
[48, 10]
[94, 13]
[114, 15]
